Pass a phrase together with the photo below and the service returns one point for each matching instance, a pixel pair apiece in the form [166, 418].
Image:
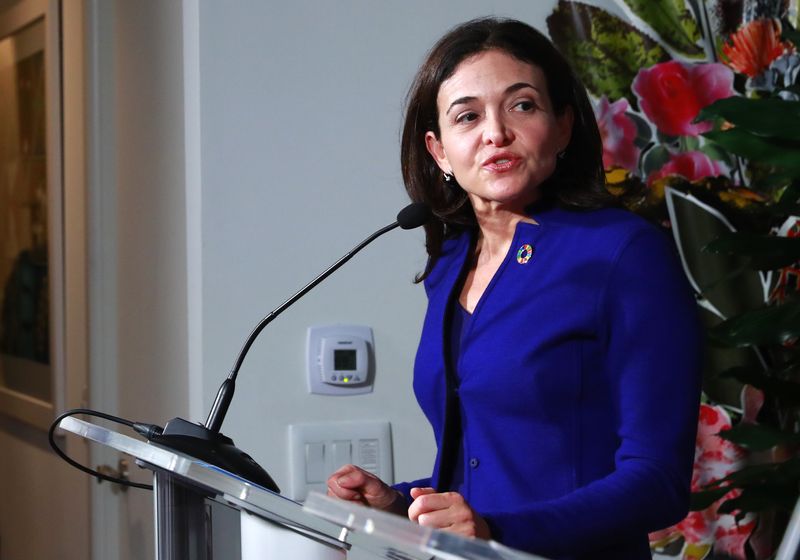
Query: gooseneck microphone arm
[225, 394]
[204, 441]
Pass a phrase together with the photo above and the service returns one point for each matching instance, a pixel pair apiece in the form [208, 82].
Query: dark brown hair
[578, 180]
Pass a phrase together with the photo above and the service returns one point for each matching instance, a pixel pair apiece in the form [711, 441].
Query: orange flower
[755, 46]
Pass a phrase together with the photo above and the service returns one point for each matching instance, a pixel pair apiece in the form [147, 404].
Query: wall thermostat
[340, 360]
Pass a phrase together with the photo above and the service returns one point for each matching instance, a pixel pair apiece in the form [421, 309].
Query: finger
[347, 495]
[355, 484]
[370, 486]
[458, 518]
[433, 502]
[349, 476]
[344, 484]
[421, 504]
[438, 500]
[467, 529]
[337, 491]
[344, 469]
[438, 519]
[421, 491]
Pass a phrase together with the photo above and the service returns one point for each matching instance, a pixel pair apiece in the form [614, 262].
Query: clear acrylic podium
[272, 526]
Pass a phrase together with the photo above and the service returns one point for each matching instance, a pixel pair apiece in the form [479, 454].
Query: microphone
[205, 442]
[414, 215]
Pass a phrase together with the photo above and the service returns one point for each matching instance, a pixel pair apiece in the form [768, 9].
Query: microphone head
[414, 215]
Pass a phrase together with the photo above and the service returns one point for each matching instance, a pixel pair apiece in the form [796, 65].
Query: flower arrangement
[698, 105]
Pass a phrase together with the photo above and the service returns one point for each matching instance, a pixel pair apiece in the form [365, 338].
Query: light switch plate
[317, 449]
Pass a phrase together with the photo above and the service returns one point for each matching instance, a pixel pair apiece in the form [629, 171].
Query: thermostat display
[339, 359]
[344, 360]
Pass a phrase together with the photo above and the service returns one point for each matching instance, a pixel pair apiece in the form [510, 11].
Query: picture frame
[32, 356]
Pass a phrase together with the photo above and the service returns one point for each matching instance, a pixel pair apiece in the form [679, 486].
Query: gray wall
[300, 121]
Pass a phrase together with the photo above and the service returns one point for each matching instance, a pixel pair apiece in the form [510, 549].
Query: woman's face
[499, 135]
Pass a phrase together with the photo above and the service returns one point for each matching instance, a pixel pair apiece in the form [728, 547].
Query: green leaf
[697, 224]
[764, 486]
[786, 392]
[766, 252]
[787, 472]
[770, 496]
[758, 437]
[672, 21]
[705, 498]
[790, 198]
[746, 476]
[605, 51]
[775, 182]
[767, 325]
[771, 117]
[644, 132]
[716, 153]
[666, 139]
[768, 151]
[789, 34]
[689, 143]
[654, 159]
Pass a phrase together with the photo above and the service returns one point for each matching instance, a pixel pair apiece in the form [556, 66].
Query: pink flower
[672, 93]
[692, 166]
[618, 132]
[714, 459]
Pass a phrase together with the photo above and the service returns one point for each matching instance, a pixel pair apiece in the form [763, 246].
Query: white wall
[300, 123]
[139, 276]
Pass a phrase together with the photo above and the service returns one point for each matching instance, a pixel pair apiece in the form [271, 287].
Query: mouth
[501, 162]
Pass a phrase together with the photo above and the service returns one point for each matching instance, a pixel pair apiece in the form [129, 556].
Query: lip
[492, 164]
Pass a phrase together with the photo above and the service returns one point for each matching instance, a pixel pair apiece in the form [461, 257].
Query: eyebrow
[510, 89]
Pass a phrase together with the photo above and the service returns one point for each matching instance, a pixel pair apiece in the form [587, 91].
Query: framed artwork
[31, 205]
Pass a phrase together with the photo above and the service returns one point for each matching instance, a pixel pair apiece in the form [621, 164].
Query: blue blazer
[577, 397]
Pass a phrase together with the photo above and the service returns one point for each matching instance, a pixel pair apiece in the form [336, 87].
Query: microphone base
[214, 448]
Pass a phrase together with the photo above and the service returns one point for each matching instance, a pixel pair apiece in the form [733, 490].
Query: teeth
[502, 161]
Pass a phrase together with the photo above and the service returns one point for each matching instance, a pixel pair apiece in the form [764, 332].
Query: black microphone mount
[205, 442]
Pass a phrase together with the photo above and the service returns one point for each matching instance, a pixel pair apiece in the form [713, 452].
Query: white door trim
[102, 246]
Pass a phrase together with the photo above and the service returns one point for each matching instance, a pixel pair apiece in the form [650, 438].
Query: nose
[497, 132]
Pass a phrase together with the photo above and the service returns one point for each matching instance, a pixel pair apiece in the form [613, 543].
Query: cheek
[546, 145]
[458, 155]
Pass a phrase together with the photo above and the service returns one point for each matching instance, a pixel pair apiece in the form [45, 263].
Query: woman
[559, 358]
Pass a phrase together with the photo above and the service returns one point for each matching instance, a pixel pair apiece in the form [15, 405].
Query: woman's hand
[448, 511]
[354, 484]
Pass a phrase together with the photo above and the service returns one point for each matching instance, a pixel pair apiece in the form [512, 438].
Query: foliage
[698, 103]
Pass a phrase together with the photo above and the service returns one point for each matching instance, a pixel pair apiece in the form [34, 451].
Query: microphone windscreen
[414, 215]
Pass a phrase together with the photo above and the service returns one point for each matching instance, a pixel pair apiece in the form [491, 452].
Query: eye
[467, 117]
[525, 106]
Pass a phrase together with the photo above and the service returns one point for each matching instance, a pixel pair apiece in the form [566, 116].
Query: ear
[565, 121]
[435, 148]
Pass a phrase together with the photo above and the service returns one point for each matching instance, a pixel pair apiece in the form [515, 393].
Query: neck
[496, 228]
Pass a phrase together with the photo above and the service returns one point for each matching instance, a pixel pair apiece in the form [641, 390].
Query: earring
[562, 154]
[448, 177]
